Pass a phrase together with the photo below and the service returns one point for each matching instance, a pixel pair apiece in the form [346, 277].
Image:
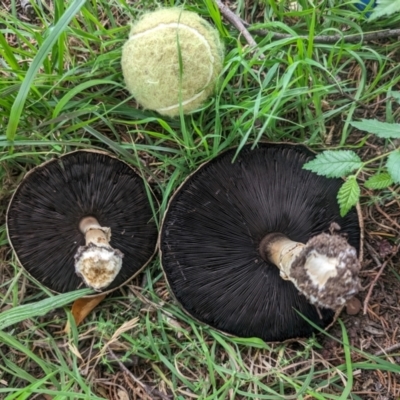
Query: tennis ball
[172, 57]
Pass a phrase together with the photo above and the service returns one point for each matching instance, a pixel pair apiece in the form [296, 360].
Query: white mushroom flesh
[97, 263]
[325, 270]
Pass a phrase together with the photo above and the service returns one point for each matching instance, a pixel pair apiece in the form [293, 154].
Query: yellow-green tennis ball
[171, 59]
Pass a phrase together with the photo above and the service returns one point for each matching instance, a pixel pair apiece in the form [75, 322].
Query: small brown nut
[353, 306]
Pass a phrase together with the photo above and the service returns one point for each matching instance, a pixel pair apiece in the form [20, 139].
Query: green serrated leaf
[383, 130]
[348, 195]
[334, 164]
[393, 166]
[385, 7]
[379, 181]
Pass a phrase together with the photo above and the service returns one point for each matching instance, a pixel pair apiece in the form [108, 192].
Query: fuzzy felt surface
[171, 59]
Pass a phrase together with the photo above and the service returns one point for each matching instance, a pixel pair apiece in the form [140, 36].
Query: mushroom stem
[97, 263]
[281, 251]
[325, 269]
[94, 233]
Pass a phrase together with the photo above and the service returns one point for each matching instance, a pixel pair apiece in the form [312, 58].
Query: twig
[381, 268]
[387, 216]
[329, 39]
[152, 392]
[389, 349]
[236, 22]
[243, 27]
[366, 301]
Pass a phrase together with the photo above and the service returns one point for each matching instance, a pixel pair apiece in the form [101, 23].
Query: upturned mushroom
[82, 219]
[253, 246]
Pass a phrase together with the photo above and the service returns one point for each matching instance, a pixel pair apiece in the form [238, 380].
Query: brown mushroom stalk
[97, 263]
[325, 269]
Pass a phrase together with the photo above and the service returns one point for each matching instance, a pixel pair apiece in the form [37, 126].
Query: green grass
[61, 89]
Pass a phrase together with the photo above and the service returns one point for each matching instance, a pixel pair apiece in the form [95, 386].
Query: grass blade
[20, 313]
[54, 34]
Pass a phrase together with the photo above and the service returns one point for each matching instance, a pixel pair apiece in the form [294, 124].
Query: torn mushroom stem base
[97, 263]
[325, 269]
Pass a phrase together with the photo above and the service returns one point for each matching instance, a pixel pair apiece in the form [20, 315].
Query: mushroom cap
[45, 211]
[210, 236]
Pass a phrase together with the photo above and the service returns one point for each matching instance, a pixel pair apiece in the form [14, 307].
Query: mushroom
[82, 219]
[251, 247]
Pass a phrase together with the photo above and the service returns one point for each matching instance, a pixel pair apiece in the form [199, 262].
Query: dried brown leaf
[82, 308]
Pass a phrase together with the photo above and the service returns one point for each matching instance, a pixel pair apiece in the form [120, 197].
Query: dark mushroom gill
[44, 215]
[212, 230]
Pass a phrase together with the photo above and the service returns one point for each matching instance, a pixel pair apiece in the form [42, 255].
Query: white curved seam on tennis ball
[201, 37]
